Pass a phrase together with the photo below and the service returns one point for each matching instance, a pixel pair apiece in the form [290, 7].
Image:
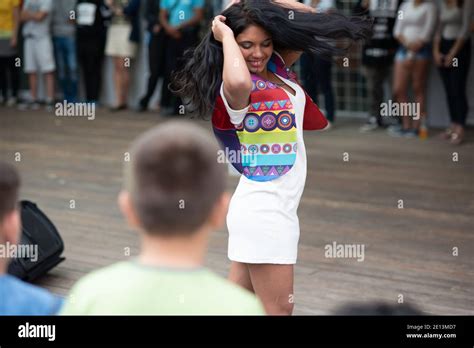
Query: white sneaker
[328, 127]
[396, 130]
[11, 101]
[28, 105]
[370, 125]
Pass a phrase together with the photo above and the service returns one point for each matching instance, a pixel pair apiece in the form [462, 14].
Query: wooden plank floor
[408, 251]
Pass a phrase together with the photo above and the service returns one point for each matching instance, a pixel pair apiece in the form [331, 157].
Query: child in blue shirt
[16, 296]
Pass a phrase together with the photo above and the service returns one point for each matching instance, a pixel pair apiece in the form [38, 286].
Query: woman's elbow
[239, 86]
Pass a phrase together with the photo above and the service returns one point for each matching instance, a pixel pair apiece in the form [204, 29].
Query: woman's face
[256, 46]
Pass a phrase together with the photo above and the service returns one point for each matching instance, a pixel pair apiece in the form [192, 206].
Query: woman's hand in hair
[220, 29]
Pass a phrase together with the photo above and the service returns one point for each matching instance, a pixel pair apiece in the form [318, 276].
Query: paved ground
[355, 186]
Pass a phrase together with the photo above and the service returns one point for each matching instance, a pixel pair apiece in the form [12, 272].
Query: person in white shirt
[452, 55]
[413, 30]
[38, 56]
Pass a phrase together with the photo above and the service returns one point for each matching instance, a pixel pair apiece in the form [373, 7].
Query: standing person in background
[38, 49]
[413, 30]
[378, 54]
[123, 37]
[92, 17]
[65, 47]
[317, 72]
[180, 20]
[452, 55]
[9, 25]
[156, 51]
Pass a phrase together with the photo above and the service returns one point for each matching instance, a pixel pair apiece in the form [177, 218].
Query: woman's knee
[419, 89]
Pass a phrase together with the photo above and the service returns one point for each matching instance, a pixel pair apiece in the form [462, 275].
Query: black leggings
[317, 78]
[9, 76]
[455, 81]
[156, 62]
[174, 62]
[91, 55]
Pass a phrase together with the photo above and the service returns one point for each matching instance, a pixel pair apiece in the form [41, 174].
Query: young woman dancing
[241, 72]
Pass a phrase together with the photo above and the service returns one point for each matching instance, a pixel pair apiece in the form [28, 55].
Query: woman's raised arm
[236, 75]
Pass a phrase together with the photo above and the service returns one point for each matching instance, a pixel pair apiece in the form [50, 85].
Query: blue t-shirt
[20, 298]
[180, 10]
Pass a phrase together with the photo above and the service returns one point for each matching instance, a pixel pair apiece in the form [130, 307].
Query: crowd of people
[53, 38]
[408, 35]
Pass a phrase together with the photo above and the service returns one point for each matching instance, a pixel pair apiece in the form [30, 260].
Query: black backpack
[38, 230]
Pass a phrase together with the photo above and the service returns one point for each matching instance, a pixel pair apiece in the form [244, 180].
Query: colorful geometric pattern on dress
[267, 135]
[265, 95]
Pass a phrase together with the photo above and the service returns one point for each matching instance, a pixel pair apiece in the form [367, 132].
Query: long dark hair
[317, 34]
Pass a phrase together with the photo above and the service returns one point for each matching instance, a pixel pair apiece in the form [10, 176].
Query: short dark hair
[174, 178]
[9, 186]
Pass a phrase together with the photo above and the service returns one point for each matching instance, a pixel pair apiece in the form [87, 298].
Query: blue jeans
[66, 65]
[423, 53]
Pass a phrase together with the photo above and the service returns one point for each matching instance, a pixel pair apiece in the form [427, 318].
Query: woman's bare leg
[49, 77]
[125, 83]
[118, 62]
[420, 75]
[33, 81]
[273, 284]
[239, 274]
[401, 79]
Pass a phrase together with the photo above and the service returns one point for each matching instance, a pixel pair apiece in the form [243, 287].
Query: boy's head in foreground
[174, 186]
[9, 214]
[174, 194]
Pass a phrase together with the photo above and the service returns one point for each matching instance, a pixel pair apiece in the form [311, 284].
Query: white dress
[262, 219]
